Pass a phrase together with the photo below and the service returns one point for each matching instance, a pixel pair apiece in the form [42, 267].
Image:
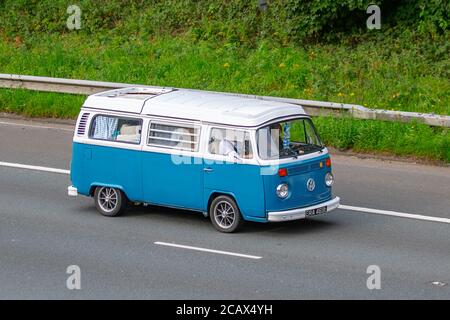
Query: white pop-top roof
[193, 105]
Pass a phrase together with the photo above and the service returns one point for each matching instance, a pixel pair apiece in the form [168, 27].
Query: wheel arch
[96, 184]
[214, 194]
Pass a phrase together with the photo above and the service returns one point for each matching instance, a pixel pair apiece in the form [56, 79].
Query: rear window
[118, 129]
[174, 136]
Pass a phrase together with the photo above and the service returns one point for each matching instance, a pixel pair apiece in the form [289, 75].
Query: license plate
[315, 212]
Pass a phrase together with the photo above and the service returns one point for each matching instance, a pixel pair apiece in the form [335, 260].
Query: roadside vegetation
[319, 51]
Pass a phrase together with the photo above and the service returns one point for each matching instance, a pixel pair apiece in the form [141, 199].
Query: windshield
[290, 138]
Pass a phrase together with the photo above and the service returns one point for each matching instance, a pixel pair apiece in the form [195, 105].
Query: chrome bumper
[72, 191]
[294, 214]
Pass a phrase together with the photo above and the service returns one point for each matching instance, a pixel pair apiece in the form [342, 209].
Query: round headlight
[329, 179]
[282, 190]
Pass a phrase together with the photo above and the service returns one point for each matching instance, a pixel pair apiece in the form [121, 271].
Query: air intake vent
[82, 124]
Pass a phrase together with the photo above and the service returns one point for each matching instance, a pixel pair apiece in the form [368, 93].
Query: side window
[174, 136]
[229, 142]
[116, 129]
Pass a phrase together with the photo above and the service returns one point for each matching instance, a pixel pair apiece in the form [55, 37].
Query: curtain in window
[105, 128]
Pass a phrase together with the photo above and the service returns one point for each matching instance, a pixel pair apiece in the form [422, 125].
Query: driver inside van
[228, 148]
[230, 143]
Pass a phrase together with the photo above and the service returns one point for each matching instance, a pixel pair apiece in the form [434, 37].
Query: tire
[110, 202]
[225, 215]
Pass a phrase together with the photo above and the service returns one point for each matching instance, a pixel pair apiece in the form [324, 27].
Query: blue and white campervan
[234, 159]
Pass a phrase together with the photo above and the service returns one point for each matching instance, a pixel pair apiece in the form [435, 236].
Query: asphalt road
[43, 231]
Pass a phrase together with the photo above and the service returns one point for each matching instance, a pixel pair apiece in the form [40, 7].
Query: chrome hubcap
[224, 214]
[108, 199]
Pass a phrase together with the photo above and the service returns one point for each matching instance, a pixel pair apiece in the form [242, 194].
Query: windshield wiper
[308, 147]
[290, 152]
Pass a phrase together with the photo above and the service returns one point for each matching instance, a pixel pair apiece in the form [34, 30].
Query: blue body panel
[155, 178]
[243, 182]
[171, 183]
[298, 174]
[106, 166]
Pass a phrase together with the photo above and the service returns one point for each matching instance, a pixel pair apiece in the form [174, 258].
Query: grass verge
[404, 72]
[401, 139]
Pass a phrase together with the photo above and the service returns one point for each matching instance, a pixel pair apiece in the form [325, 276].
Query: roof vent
[135, 92]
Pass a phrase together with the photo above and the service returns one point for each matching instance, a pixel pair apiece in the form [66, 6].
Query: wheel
[225, 215]
[110, 202]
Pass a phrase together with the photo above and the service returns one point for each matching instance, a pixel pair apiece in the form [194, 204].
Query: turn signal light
[328, 162]
[282, 172]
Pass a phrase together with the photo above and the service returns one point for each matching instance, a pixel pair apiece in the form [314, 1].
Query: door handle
[207, 169]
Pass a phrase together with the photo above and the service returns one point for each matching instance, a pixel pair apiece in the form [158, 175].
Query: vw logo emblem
[310, 184]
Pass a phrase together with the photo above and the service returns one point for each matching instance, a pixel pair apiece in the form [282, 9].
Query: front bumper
[295, 214]
[72, 191]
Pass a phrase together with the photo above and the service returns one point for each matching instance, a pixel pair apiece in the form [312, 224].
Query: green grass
[400, 139]
[40, 104]
[376, 77]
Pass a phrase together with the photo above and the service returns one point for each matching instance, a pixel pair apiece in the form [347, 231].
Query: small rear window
[174, 136]
[111, 128]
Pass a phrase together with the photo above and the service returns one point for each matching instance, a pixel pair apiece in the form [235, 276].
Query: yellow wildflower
[308, 91]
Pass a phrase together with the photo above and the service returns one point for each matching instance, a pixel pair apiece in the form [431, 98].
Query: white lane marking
[36, 168]
[33, 126]
[395, 214]
[207, 250]
[342, 206]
